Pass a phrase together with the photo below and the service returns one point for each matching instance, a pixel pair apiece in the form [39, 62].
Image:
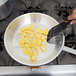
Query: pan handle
[69, 50]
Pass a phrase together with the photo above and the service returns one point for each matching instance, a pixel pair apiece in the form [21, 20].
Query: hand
[72, 16]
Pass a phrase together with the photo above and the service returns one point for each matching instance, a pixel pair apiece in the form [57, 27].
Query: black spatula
[57, 29]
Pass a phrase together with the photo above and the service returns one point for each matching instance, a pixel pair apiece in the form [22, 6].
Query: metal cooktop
[58, 9]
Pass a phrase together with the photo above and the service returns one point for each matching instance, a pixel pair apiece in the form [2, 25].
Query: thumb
[73, 22]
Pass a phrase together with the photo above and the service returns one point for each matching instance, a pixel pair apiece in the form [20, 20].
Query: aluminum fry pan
[11, 39]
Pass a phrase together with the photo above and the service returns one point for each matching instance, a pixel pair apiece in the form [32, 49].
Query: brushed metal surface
[11, 38]
[53, 70]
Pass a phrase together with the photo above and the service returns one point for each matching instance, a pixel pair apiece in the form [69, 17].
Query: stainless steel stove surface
[58, 9]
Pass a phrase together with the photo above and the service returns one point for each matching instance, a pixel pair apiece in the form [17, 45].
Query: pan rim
[27, 63]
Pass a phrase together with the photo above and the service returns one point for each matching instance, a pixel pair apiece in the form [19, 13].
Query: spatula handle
[64, 24]
[57, 29]
[68, 22]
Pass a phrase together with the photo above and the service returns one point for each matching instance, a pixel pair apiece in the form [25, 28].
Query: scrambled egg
[32, 40]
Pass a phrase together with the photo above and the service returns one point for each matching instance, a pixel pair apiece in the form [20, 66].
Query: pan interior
[11, 38]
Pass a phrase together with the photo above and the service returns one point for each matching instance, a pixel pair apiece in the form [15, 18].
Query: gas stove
[58, 9]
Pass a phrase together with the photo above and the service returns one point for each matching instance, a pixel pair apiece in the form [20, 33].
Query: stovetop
[58, 9]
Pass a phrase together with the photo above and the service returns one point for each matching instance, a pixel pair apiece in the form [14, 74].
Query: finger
[70, 17]
[73, 15]
[73, 22]
[74, 11]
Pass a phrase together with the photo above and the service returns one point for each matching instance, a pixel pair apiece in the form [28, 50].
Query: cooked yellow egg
[32, 40]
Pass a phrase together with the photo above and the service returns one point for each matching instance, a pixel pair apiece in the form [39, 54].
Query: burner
[59, 9]
[34, 9]
[63, 11]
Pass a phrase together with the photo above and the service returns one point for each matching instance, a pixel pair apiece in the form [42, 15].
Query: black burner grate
[63, 11]
[37, 8]
[33, 9]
